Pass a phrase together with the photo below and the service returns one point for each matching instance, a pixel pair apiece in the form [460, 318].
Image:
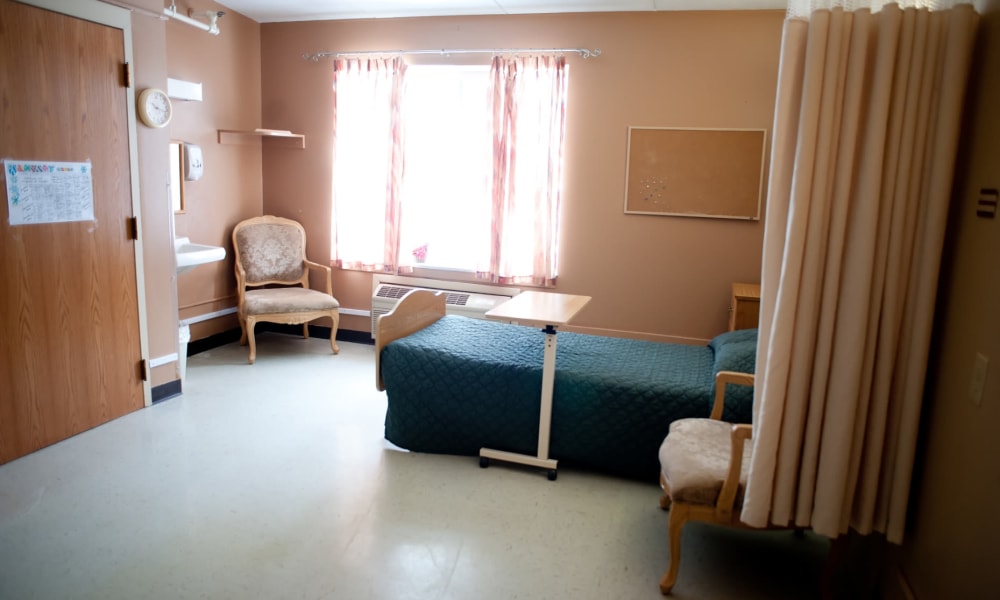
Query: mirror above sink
[190, 255]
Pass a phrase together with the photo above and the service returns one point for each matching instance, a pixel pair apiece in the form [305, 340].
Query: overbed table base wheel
[485, 462]
[549, 464]
[548, 310]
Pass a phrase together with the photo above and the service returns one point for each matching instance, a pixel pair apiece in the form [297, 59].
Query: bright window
[448, 156]
[449, 167]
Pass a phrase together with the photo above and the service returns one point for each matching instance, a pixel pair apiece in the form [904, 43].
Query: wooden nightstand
[744, 306]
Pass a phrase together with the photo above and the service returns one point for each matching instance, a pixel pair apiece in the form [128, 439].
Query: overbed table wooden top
[539, 308]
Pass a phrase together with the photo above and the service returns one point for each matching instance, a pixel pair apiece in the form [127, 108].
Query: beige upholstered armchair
[703, 471]
[272, 279]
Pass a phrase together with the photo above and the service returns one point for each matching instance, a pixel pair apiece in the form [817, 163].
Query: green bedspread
[463, 384]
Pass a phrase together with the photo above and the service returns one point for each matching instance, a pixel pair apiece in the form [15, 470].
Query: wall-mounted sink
[190, 255]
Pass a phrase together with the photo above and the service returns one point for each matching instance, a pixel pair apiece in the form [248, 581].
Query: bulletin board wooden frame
[692, 172]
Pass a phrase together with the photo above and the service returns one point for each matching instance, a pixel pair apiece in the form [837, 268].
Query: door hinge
[143, 369]
[132, 225]
[127, 74]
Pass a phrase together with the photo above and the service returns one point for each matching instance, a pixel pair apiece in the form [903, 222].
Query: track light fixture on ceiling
[195, 17]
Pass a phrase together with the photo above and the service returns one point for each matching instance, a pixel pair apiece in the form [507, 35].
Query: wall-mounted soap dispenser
[194, 166]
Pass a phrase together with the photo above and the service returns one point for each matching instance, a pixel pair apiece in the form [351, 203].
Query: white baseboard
[162, 360]
[208, 316]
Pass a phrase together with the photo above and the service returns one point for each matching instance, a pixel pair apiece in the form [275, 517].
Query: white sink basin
[191, 255]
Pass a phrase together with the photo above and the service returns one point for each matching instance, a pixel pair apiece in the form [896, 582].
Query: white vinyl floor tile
[273, 480]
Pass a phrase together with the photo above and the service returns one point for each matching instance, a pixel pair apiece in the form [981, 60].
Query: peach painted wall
[149, 56]
[228, 67]
[666, 276]
[950, 547]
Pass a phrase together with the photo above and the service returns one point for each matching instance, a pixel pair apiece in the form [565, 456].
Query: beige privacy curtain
[865, 133]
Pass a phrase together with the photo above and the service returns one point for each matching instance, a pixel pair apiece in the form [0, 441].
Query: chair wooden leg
[333, 333]
[248, 331]
[305, 330]
[678, 517]
[243, 330]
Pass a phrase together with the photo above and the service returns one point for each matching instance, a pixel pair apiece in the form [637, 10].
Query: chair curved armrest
[739, 434]
[328, 270]
[241, 279]
[723, 378]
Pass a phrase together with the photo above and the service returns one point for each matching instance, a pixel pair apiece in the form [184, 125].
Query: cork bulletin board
[714, 173]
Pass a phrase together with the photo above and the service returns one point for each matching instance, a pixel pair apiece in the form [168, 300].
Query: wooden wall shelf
[240, 136]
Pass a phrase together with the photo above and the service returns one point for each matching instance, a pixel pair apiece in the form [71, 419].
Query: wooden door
[70, 344]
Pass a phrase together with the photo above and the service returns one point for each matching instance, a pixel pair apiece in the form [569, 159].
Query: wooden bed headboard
[416, 310]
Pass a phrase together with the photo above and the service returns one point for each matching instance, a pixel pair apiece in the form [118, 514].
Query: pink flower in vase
[420, 253]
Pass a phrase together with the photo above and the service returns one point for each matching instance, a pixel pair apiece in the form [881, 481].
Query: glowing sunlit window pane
[448, 156]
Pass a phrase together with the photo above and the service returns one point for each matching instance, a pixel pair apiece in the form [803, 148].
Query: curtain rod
[584, 52]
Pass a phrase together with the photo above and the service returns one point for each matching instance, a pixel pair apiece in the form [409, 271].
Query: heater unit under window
[457, 302]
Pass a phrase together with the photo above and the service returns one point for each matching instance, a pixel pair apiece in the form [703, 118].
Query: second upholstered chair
[272, 279]
[704, 465]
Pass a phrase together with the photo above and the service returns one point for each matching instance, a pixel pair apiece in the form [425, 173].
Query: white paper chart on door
[49, 191]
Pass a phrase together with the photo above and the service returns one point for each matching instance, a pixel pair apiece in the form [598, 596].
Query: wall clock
[154, 107]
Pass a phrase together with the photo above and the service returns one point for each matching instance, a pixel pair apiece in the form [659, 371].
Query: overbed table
[548, 311]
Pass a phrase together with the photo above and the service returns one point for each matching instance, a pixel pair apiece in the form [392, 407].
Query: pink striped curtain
[366, 178]
[866, 128]
[529, 117]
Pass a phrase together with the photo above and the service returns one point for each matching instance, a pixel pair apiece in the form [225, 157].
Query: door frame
[116, 17]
